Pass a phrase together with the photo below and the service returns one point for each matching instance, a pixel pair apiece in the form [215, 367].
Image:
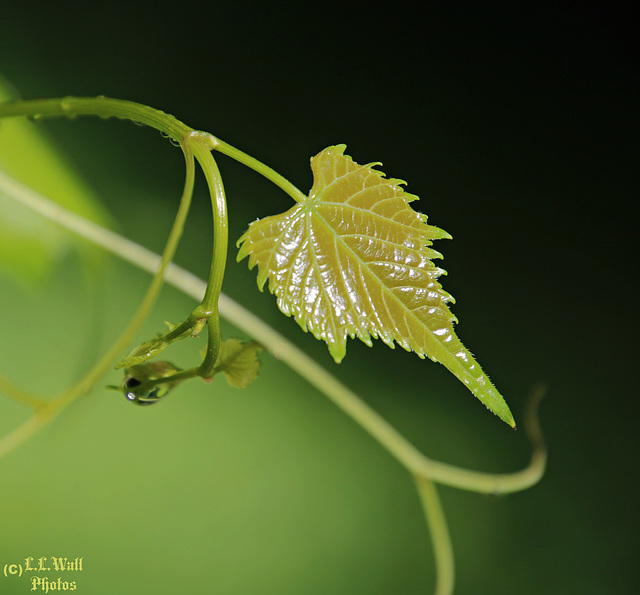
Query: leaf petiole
[273, 176]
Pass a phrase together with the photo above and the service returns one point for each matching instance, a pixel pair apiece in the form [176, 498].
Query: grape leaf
[354, 259]
[239, 362]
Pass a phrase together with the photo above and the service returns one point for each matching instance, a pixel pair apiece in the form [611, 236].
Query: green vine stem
[17, 394]
[440, 538]
[103, 107]
[198, 144]
[209, 303]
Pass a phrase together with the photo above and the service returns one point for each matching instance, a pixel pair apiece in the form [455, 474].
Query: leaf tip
[338, 350]
[496, 403]
[510, 421]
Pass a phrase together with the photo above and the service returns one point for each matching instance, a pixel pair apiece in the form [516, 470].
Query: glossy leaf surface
[355, 260]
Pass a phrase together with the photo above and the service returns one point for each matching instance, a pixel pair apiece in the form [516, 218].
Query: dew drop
[173, 141]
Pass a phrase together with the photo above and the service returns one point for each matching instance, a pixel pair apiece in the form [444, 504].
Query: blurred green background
[518, 129]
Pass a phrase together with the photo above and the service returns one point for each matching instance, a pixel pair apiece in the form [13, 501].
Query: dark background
[516, 125]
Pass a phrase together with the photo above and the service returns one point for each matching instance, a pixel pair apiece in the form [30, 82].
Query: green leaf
[355, 260]
[29, 243]
[239, 362]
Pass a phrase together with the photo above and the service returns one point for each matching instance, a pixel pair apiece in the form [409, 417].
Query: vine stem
[103, 107]
[252, 163]
[211, 297]
[17, 394]
[437, 525]
[281, 348]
